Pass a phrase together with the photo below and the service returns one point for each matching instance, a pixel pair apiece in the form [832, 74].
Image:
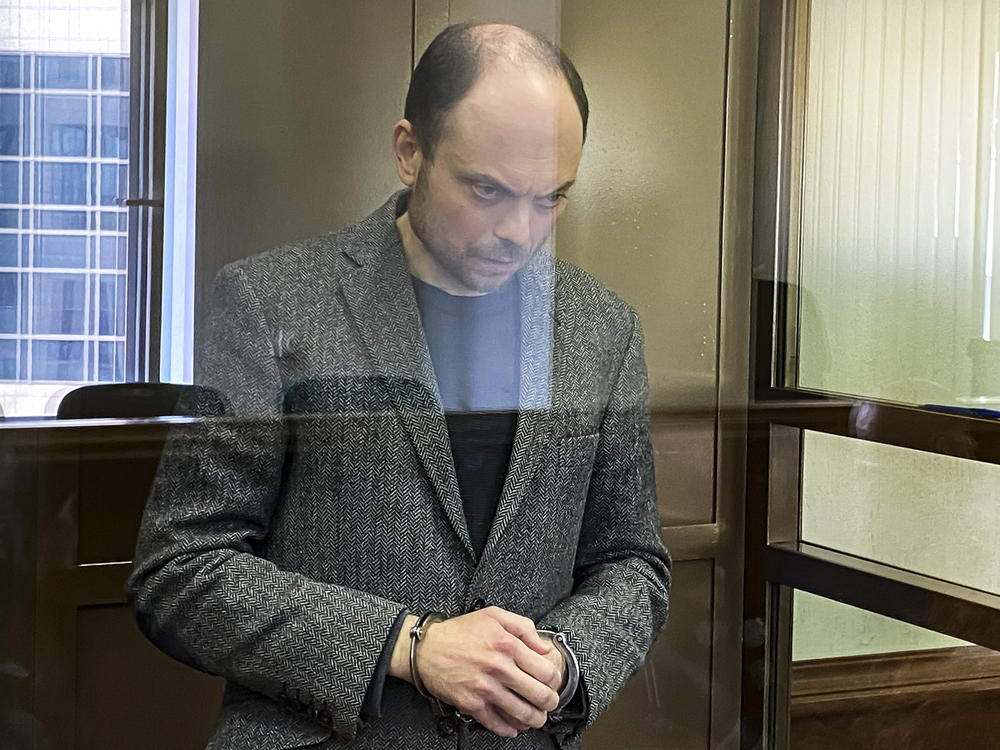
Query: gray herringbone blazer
[278, 546]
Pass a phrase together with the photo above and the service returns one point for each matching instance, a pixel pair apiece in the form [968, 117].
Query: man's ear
[406, 150]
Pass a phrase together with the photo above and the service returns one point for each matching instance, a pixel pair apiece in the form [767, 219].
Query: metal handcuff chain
[558, 639]
[417, 633]
[561, 643]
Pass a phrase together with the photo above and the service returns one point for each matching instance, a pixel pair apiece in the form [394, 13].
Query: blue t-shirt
[475, 346]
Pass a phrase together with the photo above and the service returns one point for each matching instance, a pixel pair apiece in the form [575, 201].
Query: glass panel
[8, 249]
[861, 680]
[10, 182]
[58, 304]
[25, 296]
[113, 251]
[60, 251]
[114, 127]
[114, 184]
[898, 202]
[114, 73]
[8, 303]
[8, 359]
[57, 360]
[60, 219]
[64, 108]
[924, 512]
[61, 184]
[112, 310]
[10, 124]
[22, 367]
[110, 360]
[62, 126]
[59, 72]
[10, 71]
[114, 221]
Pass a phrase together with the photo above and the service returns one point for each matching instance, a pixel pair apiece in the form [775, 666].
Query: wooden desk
[77, 673]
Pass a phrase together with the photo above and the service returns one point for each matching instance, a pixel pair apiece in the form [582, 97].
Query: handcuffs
[557, 638]
[561, 644]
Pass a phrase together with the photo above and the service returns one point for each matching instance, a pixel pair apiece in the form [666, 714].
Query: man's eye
[553, 200]
[484, 191]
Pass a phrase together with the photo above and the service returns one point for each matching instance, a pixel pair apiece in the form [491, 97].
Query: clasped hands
[489, 664]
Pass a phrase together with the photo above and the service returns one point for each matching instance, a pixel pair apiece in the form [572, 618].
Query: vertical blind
[899, 223]
[899, 200]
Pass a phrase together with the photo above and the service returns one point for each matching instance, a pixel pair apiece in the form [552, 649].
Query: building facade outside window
[64, 140]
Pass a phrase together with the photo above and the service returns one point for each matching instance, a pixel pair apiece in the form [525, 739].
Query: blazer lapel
[383, 305]
[536, 390]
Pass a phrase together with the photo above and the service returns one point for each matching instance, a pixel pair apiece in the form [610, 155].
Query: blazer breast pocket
[572, 463]
[579, 449]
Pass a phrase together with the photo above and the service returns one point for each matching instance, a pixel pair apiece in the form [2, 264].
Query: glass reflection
[63, 124]
[64, 110]
[897, 202]
[416, 458]
[861, 680]
[920, 511]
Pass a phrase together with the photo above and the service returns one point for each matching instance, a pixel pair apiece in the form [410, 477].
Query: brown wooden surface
[685, 474]
[939, 699]
[129, 695]
[664, 704]
[78, 674]
[88, 679]
[18, 552]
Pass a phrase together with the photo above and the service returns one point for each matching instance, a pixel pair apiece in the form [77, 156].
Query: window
[896, 234]
[64, 179]
[874, 254]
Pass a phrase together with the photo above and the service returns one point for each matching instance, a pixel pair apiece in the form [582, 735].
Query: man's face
[498, 180]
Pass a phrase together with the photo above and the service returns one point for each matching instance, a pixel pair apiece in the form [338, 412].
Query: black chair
[140, 400]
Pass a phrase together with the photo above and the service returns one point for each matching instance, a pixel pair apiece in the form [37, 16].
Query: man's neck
[421, 263]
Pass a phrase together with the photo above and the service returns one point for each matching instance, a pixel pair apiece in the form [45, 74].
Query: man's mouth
[498, 263]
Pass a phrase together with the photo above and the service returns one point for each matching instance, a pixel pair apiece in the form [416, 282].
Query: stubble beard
[456, 261]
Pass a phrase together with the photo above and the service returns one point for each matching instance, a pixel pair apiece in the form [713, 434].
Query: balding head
[460, 55]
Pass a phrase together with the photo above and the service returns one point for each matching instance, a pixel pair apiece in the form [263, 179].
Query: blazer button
[446, 726]
[477, 604]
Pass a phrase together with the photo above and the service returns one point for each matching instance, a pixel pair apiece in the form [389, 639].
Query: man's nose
[515, 225]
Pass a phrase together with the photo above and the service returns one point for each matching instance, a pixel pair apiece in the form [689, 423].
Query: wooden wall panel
[296, 105]
[131, 695]
[683, 449]
[78, 674]
[541, 16]
[934, 699]
[108, 521]
[18, 552]
[648, 218]
[664, 704]
[644, 217]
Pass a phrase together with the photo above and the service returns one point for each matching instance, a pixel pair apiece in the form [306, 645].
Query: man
[432, 416]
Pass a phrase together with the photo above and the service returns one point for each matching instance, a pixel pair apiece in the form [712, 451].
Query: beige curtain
[899, 193]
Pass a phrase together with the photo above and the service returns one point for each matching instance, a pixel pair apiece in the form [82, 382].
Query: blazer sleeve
[199, 587]
[622, 572]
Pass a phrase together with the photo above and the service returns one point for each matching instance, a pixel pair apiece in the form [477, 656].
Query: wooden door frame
[778, 560]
